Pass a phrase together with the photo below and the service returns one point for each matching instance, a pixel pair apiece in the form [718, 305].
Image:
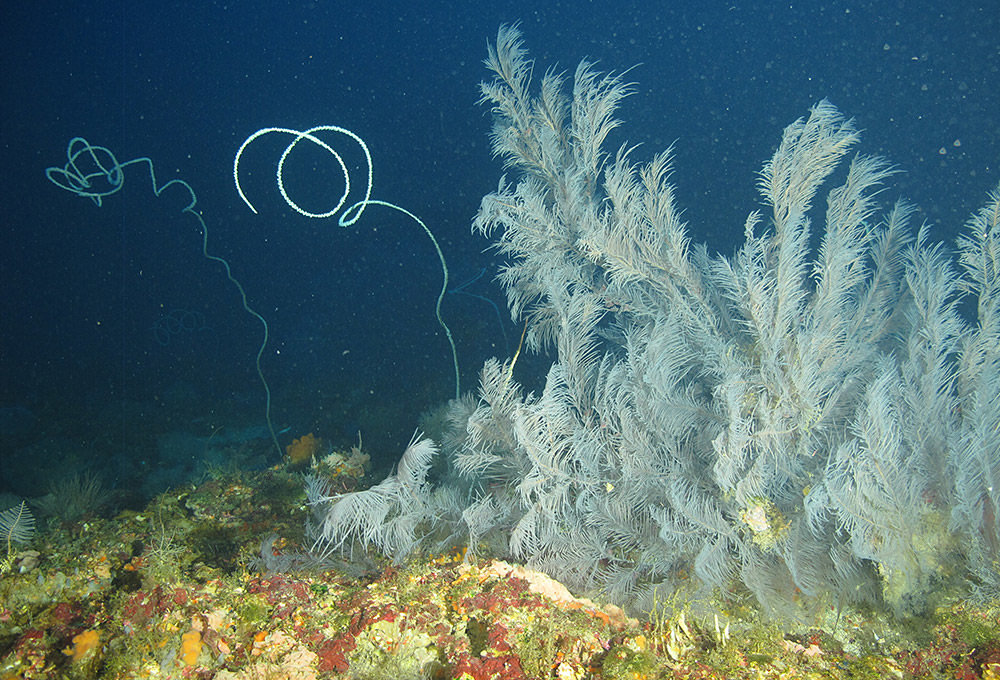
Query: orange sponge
[82, 644]
[302, 450]
[191, 647]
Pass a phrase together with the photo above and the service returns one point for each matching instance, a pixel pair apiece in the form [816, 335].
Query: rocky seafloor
[179, 590]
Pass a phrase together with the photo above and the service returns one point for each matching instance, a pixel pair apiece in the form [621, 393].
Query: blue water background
[90, 379]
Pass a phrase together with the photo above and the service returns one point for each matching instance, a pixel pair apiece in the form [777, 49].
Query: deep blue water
[117, 332]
